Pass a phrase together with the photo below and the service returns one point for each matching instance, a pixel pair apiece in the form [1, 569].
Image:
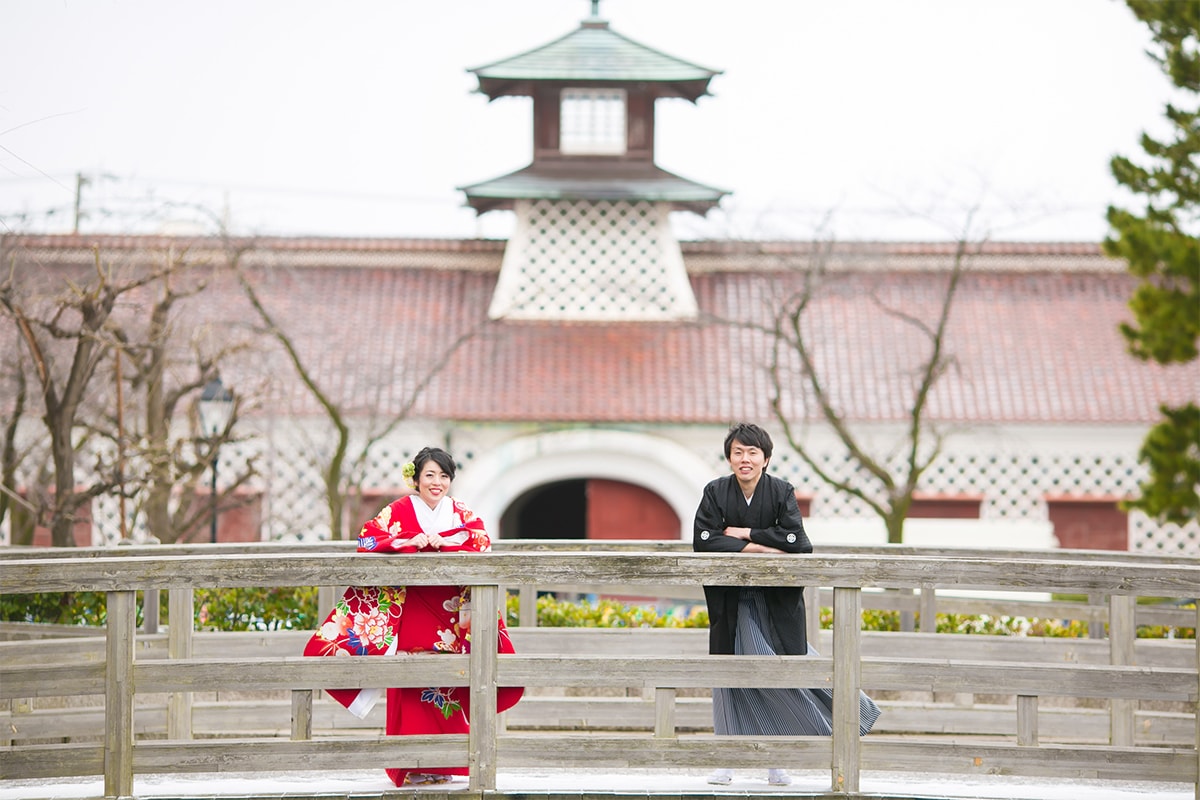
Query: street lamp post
[216, 407]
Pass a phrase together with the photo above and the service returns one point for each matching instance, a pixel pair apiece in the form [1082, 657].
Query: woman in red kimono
[381, 620]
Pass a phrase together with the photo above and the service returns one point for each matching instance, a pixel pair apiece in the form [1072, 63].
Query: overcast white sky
[866, 119]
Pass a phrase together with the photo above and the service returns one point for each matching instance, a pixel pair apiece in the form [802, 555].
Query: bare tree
[340, 467]
[173, 464]
[69, 323]
[66, 334]
[886, 478]
[10, 456]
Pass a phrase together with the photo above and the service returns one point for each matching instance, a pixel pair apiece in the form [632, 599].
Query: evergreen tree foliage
[1160, 245]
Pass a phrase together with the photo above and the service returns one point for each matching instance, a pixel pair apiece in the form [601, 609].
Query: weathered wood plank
[1027, 720]
[50, 680]
[1078, 680]
[847, 683]
[551, 713]
[697, 752]
[518, 569]
[302, 714]
[52, 761]
[299, 672]
[1121, 636]
[485, 604]
[292, 672]
[652, 672]
[649, 672]
[664, 713]
[272, 549]
[118, 694]
[180, 640]
[986, 758]
[1176, 653]
[257, 755]
[1196, 707]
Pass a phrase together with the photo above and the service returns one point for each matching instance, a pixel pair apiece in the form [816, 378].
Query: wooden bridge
[617, 698]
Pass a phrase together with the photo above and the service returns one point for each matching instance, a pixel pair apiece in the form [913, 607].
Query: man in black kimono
[750, 511]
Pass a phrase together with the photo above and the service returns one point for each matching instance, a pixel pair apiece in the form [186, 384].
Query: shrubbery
[296, 609]
[554, 613]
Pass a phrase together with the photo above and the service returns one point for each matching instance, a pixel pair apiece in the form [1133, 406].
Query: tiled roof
[1029, 345]
[592, 180]
[593, 53]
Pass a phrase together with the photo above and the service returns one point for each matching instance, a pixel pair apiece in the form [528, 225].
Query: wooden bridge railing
[121, 677]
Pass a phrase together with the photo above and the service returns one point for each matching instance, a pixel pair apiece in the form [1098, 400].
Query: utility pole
[80, 182]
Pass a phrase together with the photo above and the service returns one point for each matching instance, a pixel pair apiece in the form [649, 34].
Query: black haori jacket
[774, 520]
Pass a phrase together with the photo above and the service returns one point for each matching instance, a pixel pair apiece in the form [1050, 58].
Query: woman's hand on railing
[424, 540]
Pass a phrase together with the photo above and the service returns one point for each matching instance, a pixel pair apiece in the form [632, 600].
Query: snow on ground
[641, 782]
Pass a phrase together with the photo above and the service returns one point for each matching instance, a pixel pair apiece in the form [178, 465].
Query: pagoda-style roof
[593, 179]
[594, 54]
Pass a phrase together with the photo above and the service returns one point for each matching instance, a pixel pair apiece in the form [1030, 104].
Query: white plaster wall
[1008, 534]
[502, 461]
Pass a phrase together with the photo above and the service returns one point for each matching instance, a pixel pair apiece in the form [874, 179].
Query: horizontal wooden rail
[629, 641]
[1181, 579]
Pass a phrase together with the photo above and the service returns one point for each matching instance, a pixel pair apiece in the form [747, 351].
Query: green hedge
[296, 609]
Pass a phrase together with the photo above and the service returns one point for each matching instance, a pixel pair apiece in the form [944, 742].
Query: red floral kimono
[380, 620]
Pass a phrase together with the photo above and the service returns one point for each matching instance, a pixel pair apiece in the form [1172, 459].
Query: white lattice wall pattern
[593, 261]
[1013, 486]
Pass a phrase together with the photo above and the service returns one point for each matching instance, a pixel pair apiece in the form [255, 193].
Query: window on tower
[592, 122]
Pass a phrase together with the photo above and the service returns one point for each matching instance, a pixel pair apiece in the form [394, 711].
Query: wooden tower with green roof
[592, 238]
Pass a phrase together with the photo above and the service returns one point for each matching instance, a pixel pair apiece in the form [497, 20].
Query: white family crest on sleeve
[791, 537]
[704, 535]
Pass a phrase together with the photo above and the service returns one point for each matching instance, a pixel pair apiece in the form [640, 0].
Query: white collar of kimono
[438, 519]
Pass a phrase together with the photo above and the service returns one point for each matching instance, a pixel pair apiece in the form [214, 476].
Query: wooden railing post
[485, 631]
[181, 624]
[908, 616]
[150, 600]
[1121, 637]
[527, 614]
[302, 713]
[1027, 720]
[1196, 707]
[847, 683]
[326, 597]
[120, 631]
[928, 609]
[812, 608]
[1095, 625]
[664, 712]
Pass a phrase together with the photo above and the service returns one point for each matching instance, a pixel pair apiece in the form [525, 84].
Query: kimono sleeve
[708, 528]
[787, 532]
[386, 533]
[470, 536]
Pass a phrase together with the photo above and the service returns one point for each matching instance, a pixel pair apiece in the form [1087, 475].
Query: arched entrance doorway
[589, 508]
[668, 472]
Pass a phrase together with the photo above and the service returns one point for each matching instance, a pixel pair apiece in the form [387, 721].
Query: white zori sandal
[778, 777]
[722, 777]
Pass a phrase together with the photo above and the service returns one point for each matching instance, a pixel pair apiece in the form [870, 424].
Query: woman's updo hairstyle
[438, 456]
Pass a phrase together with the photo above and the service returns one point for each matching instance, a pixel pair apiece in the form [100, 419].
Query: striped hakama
[775, 712]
